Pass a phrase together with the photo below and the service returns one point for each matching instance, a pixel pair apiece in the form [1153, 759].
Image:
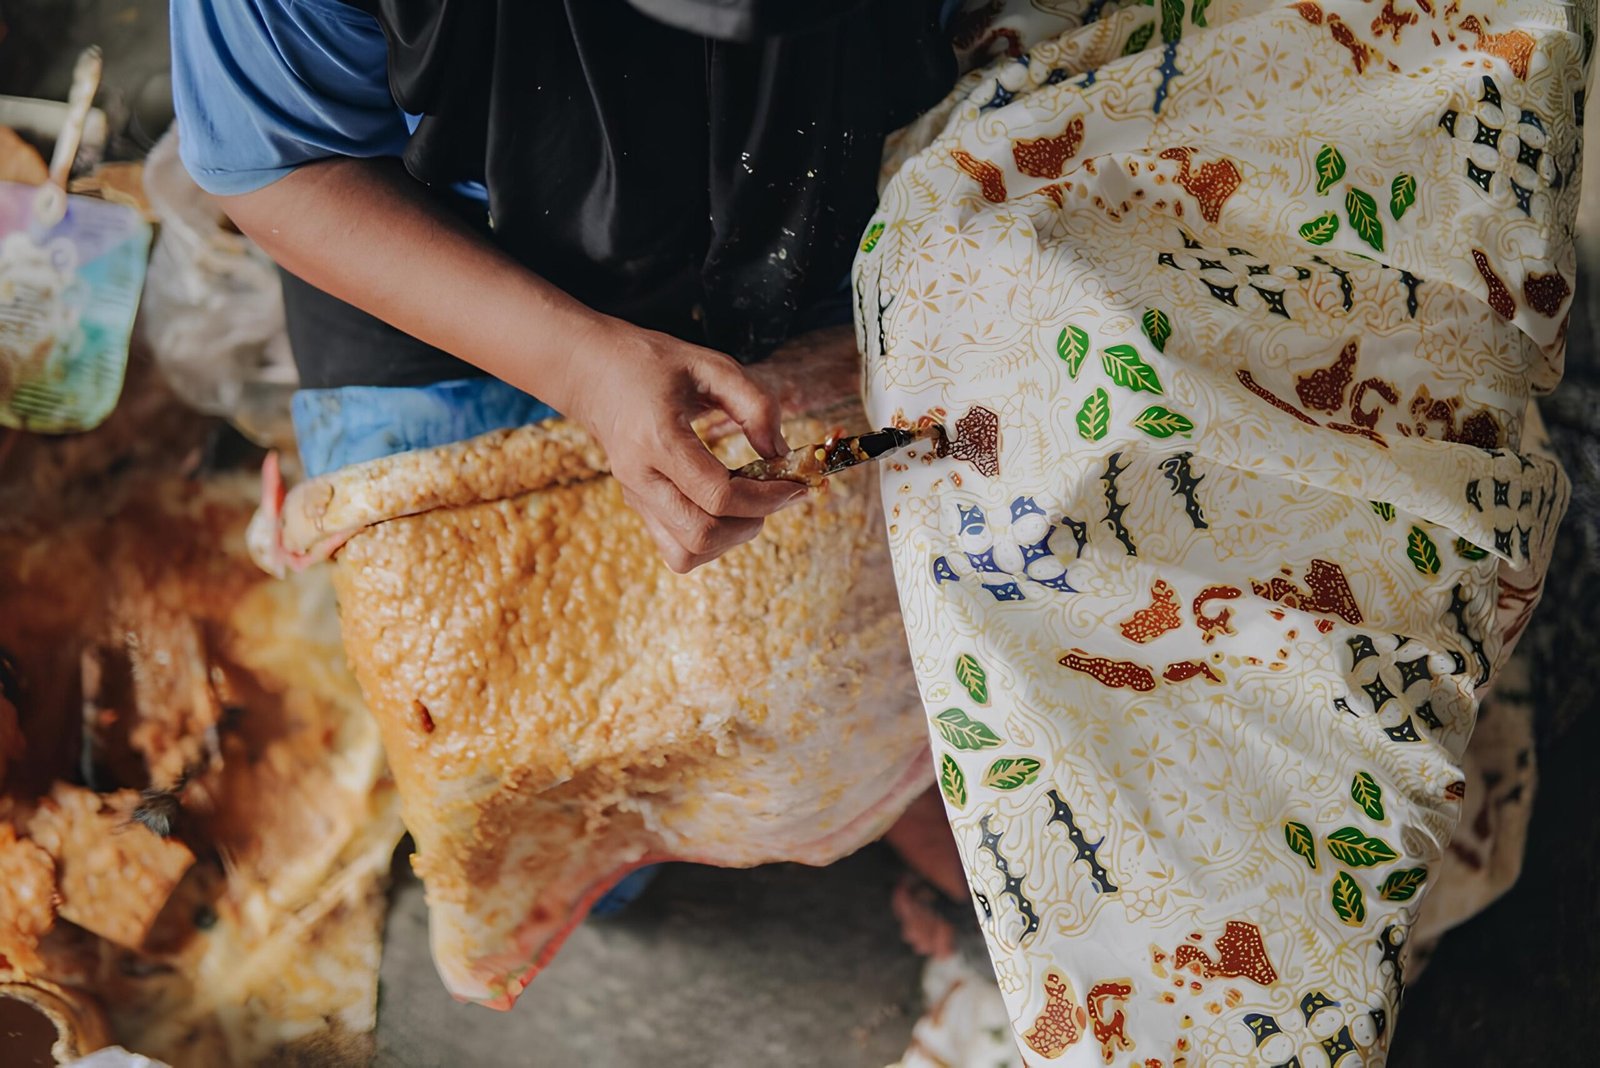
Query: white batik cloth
[1234, 311]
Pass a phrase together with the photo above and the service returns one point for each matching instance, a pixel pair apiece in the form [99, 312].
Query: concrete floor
[783, 966]
[802, 968]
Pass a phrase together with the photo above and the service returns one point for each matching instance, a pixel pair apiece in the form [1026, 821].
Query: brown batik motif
[977, 440]
[1044, 157]
[991, 180]
[1211, 183]
[1254, 364]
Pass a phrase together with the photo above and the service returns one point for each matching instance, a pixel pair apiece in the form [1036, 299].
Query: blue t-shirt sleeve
[262, 86]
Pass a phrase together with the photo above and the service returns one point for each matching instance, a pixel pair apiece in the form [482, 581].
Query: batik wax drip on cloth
[1243, 304]
[558, 708]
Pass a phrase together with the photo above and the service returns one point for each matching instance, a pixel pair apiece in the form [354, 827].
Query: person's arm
[365, 232]
[284, 111]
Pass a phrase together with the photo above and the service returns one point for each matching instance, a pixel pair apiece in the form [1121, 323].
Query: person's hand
[633, 389]
[636, 391]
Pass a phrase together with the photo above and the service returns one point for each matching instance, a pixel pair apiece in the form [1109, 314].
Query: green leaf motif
[1362, 211]
[1095, 416]
[1124, 366]
[952, 783]
[1197, 13]
[1139, 38]
[972, 677]
[1384, 509]
[1072, 346]
[1364, 790]
[1298, 835]
[1468, 551]
[1402, 885]
[1402, 194]
[1161, 422]
[1157, 327]
[962, 731]
[1171, 21]
[870, 241]
[1320, 231]
[1350, 846]
[1347, 902]
[1011, 773]
[1424, 555]
[1330, 168]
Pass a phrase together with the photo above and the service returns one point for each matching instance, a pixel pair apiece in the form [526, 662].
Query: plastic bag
[213, 308]
[115, 1057]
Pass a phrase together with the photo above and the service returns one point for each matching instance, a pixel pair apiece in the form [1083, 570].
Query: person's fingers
[703, 481]
[686, 535]
[921, 926]
[755, 410]
[672, 554]
[677, 558]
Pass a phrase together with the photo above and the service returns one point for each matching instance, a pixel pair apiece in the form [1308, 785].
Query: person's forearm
[365, 232]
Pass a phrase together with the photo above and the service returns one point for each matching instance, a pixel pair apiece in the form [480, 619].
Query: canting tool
[813, 463]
